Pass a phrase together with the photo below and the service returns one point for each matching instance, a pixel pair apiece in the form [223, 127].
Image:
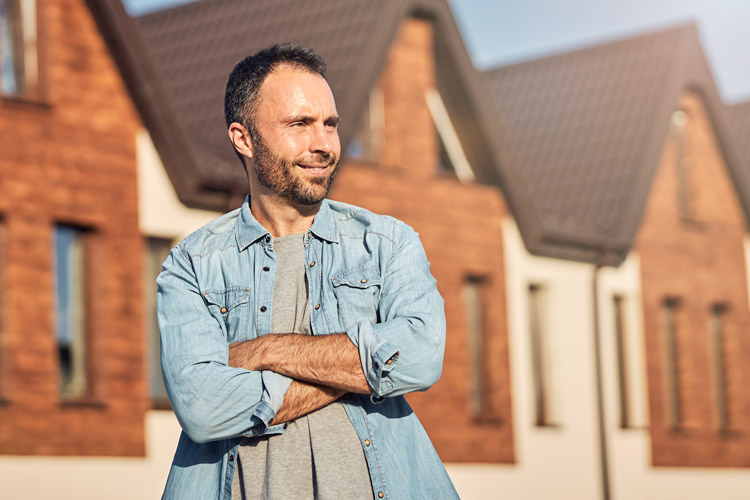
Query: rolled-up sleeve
[403, 352]
[211, 400]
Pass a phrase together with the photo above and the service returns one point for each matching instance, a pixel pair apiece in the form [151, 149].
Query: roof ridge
[685, 29]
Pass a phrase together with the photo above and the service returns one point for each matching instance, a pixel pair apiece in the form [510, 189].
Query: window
[718, 313]
[72, 311]
[630, 369]
[157, 250]
[670, 308]
[545, 409]
[368, 137]
[622, 365]
[451, 154]
[678, 129]
[4, 355]
[472, 294]
[19, 47]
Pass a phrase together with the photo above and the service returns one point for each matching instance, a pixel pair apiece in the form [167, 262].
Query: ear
[241, 139]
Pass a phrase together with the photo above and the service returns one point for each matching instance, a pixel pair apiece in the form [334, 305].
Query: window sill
[82, 403]
[161, 404]
[25, 100]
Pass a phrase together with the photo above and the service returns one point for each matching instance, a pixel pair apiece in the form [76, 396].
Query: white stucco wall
[559, 462]
[160, 211]
[95, 478]
[631, 473]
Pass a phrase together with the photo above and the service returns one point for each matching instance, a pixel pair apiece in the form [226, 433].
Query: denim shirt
[368, 277]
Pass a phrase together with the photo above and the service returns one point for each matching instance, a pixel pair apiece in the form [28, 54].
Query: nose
[323, 140]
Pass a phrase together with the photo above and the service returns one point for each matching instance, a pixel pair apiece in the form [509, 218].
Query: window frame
[151, 327]
[37, 94]
[86, 244]
[544, 405]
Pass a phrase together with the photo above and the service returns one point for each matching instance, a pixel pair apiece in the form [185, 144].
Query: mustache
[327, 158]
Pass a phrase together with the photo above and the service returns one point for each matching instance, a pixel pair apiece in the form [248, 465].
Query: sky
[500, 32]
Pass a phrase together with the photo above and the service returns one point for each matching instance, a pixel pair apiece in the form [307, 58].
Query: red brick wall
[701, 263]
[70, 158]
[460, 227]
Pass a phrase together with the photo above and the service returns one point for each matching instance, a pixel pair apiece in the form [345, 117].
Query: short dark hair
[248, 75]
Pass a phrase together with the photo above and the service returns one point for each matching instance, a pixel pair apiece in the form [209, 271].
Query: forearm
[303, 398]
[330, 360]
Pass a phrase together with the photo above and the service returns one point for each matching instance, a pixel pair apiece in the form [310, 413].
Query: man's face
[295, 142]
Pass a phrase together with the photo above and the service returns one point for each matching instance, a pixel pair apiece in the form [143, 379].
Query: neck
[280, 217]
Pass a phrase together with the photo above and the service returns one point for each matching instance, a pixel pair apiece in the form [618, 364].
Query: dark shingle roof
[195, 46]
[588, 127]
[573, 140]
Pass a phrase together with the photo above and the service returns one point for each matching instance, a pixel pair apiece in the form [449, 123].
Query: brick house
[71, 337]
[632, 162]
[587, 320]
[412, 113]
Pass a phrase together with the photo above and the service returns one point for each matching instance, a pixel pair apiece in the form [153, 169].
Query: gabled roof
[588, 128]
[192, 49]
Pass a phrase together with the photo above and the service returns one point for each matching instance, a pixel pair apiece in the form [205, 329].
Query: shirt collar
[249, 230]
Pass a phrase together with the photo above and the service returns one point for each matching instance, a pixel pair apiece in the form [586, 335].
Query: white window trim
[448, 134]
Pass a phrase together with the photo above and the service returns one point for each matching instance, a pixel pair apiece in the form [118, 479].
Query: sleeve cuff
[275, 386]
[378, 358]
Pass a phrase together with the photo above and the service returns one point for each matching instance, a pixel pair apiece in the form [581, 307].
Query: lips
[315, 169]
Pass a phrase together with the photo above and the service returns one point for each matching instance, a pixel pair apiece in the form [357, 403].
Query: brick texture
[460, 227]
[69, 157]
[700, 262]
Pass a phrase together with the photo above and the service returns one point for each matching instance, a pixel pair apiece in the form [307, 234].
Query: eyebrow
[307, 118]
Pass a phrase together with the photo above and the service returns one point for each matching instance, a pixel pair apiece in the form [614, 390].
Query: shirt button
[231, 458]
[367, 442]
[389, 362]
[308, 235]
[363, 280]
[317, 306]
[268, 239]
[263, 309]
[380, 495]
[223, 310]
[312, 264]
[266, 268]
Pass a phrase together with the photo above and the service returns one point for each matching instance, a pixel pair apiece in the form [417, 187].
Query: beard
[280, 175]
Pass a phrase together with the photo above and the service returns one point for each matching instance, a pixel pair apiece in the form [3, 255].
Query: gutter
[601, 421]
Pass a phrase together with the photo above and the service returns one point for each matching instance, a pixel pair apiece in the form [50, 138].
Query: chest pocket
[230, 307]
[358, 293]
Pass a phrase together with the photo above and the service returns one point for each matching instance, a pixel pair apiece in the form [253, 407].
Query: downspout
[599, 381]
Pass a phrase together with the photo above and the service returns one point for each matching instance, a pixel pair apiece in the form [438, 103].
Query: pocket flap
[359, 277]
[228, 298]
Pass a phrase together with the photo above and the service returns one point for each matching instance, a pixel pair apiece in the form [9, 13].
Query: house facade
[72, 341]
[585, 216]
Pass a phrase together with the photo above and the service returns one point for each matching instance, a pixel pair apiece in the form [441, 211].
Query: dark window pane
[70, 294]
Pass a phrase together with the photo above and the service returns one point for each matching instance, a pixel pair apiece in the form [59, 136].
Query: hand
[247, 355]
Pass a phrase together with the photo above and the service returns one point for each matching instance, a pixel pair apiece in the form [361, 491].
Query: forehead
[290, 91]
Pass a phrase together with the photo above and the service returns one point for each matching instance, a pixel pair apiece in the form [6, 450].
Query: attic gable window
[678, 129]
[368, 137]
[452, 157]
[18, 45]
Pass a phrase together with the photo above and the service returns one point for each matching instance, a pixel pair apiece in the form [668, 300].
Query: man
[292, 326]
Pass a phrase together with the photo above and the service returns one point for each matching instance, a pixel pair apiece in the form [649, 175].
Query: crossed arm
[213, 400]
[324, 368]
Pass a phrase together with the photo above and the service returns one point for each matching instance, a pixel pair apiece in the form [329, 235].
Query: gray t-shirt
[319, 456]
